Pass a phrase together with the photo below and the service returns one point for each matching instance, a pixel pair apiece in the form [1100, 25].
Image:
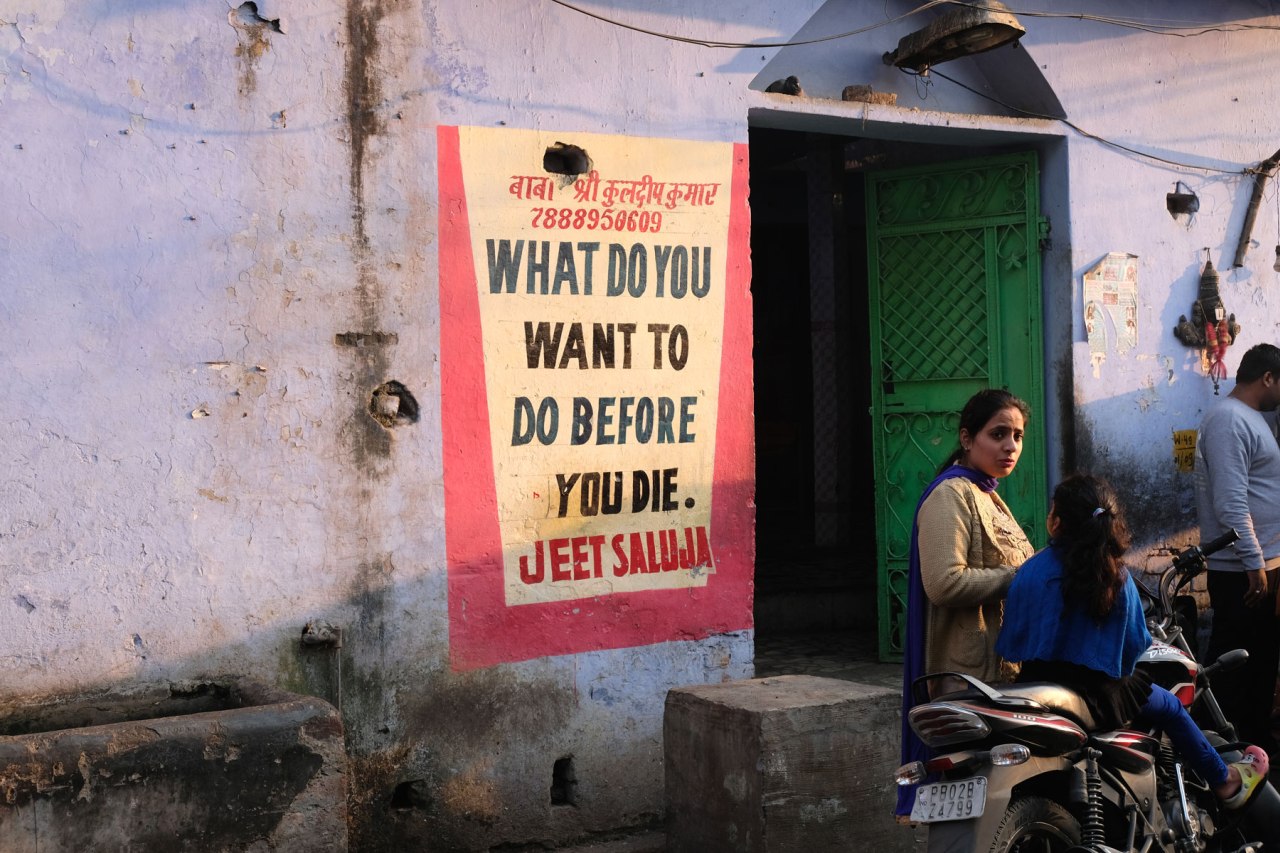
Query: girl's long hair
[1092, 538]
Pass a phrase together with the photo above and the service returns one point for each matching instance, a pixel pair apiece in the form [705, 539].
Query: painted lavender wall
[222, 315]
[1185, 100]
[1143, 111]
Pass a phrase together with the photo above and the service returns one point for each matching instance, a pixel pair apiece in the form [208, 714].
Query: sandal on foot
[1253, 772]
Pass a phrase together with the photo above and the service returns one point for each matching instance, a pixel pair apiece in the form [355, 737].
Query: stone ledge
[217, 764]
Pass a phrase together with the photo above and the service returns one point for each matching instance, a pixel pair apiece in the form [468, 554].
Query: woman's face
[995, 449]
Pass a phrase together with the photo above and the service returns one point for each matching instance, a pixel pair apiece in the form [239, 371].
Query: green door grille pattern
[934, 326]
[955, 305]
[954, 193]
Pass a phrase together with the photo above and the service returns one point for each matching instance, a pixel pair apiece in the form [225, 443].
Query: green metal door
[955, 307]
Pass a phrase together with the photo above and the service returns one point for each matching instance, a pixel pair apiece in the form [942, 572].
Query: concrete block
[783, 764]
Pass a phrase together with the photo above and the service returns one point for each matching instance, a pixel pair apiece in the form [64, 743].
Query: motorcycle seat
[1055, 698]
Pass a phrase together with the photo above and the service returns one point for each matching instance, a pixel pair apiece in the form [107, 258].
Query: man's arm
[1225, 445]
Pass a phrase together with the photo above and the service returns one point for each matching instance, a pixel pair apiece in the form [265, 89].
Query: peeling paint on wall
[253, 32]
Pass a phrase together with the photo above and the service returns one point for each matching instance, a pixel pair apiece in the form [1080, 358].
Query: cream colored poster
[1111, 305]
[602, 306]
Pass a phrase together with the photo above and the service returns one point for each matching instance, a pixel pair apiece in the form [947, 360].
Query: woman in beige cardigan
[969, 543]
[965, 547]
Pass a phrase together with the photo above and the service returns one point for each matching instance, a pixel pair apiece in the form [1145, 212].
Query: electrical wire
[1078, 129]
[1156, 26]
[1196, 28]
[733, 44]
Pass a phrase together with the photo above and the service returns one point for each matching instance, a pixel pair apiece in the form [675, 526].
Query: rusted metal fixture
[1260, 175]
[1181, 202]
[963, 31]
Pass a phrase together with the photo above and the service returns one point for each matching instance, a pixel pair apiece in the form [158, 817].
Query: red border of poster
[483, 630]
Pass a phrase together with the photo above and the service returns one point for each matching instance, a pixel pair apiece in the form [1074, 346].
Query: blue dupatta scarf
[914, 641]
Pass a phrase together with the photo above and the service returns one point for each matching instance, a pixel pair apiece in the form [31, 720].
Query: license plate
[958, 800]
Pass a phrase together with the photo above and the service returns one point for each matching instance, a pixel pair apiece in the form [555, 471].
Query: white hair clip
[1099, 511]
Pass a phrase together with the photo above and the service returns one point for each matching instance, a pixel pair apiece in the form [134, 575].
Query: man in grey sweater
[1238, 485]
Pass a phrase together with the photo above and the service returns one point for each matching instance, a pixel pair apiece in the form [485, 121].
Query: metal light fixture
[964, 31]
[1181, 200]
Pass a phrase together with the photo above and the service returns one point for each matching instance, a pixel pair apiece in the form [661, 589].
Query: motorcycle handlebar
[1184, 567]
[1191, 562]
[1226, 662]
[1221, 542]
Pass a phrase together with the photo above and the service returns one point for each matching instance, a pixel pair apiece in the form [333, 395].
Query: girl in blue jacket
[1073, 617]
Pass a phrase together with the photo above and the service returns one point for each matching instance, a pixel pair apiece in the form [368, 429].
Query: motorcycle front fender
[1047, 774]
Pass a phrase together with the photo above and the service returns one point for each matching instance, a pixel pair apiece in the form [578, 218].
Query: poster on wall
[595, 391]
[1111, 305]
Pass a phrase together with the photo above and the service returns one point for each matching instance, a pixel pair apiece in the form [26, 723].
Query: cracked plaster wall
[1199, 101]
[201, 205]
[221, 242]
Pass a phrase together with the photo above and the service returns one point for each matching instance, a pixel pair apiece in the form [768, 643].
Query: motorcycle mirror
[1226, 662]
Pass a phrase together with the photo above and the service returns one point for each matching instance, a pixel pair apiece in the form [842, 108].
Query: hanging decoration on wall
[1210, 328]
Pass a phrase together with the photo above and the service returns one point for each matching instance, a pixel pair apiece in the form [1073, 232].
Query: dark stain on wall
[1065, 392]
[364, 92]
[1153, 497]
[1084, 450]
[436, 783]
[377, 745]
[370, 593]
[370, 441]
[429, 750]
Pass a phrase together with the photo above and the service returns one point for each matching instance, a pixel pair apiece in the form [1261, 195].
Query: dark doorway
[816, 550]
[815, 533]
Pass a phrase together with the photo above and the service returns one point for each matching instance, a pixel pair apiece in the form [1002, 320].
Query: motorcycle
[1021, 767]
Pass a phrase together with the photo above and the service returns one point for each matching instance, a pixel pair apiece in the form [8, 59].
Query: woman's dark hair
[1092, 538]
[980, 409]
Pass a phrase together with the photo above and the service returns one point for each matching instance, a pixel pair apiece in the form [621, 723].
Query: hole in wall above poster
[565, 159]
